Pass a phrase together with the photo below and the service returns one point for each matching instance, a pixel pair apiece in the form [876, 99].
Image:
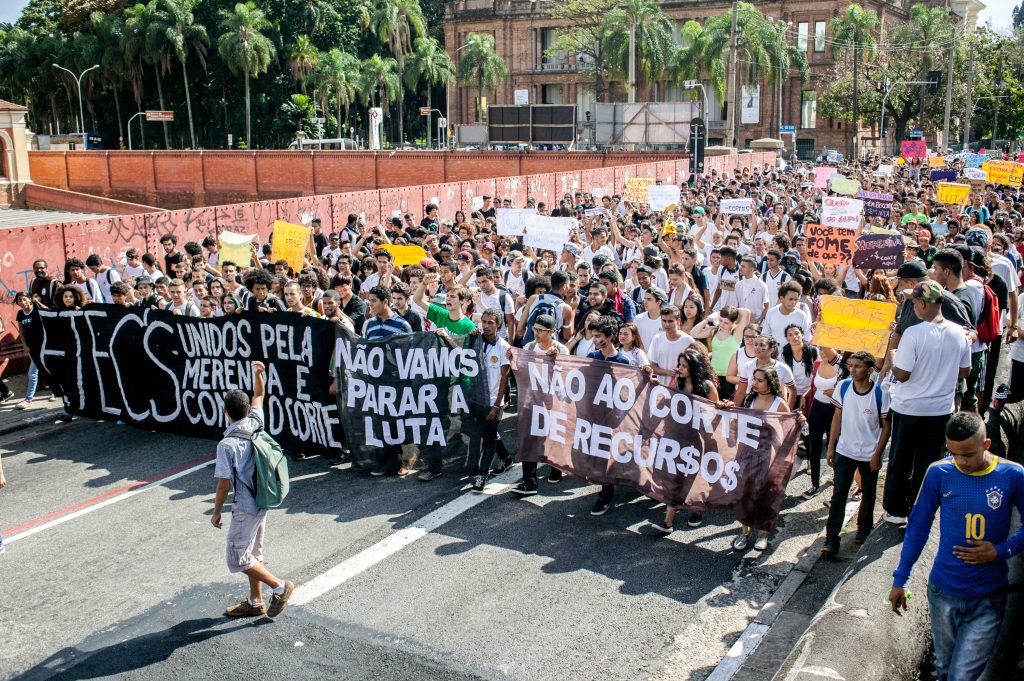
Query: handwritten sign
[876, 204]
[663, 196]
[854, 324]
[936, 162]
[975, 174]
[405, 255]
[736, 206]
[830, 245]
[236, 248]
[840, 211]
[974, 160]
[942, 175]
[883, 170]
[913, 149]
[290, 243]
[637, 188]
[879, 251]
[512, 220]
[1004, 172]
[548, 233]
[843, 185]
[952, 194]
[821, 175]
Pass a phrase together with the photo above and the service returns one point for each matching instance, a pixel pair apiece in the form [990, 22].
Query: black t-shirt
[320, 241]
[30, 330]
[356, 311]
[952, 309]
[271, 301]
[1001, 290]
[1006, 428]
[42, 287]
[415, 320]
[963, 294]
[170, 261]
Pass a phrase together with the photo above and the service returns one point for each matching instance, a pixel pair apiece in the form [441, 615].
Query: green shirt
[439, 317]
[923, 219]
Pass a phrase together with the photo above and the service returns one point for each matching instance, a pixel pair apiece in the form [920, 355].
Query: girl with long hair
[726, 335]
[692, 314]
[828, 371]
[632, 345]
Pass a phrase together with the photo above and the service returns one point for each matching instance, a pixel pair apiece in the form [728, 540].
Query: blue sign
[916, 134]
[974, 160]
[787, 129]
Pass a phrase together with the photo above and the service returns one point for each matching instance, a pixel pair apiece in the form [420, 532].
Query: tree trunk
[401, 111]
[137, 95]
[160, 93]
[431, 108]
[856, 94]
[772, 128]
[120, 125]
[480, 98]
[248, 131]
[188, 104]
[341, 127]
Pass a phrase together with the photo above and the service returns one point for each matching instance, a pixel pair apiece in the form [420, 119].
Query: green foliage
[481, 64]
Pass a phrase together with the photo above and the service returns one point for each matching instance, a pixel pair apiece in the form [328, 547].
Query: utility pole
[632, 62]
[733, 119]
[949, 96]
[995, 117]
[970, 92]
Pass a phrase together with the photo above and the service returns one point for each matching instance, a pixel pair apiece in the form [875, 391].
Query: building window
[801, 35]
[819, 36]
[808, 109]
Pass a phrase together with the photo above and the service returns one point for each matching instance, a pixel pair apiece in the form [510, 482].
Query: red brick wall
[49, 198]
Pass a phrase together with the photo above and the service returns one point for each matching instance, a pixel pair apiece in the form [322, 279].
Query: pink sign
[821, 175]
[913, 149]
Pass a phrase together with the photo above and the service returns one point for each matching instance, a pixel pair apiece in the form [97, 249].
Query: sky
[997, 11]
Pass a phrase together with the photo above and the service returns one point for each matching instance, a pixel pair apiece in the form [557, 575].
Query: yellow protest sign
[236, 248]
[936, 162]
[854, 324]
[290, 243]
[405, 255]
[637, 188]
[952, 194]
[1004, 172]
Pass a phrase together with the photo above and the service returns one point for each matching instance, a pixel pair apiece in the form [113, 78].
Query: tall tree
[105, 49]
[784, 58]
[302, 57]
[147, 45]
[756, 40]
[337, 74]
[927, 37]
[183, 35]
[853, 33]
[481, 63]
[586, 35]
[380, 78]
[430, 64]
[654, 43]
[245, 49]
[398, 23]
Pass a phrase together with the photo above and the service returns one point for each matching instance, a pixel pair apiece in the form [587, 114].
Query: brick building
[523, 32]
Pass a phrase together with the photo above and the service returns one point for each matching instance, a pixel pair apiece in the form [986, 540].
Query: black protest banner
[879, 251]
[876, 204]
[419, 388]
[608, 424]
[167, 372]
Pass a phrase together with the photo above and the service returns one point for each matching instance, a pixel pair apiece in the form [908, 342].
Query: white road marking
[367, 558]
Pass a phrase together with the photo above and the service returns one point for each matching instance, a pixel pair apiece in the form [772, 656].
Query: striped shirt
[376, 329]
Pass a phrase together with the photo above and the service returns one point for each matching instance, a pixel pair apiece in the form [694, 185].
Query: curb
[40, 416]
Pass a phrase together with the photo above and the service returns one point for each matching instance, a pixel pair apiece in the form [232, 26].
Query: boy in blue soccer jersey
[967, 585]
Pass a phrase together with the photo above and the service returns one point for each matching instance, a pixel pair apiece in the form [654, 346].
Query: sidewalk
[44, 408]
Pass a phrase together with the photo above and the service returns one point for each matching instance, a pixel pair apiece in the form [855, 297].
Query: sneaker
[65, 418]
[503, 465]
[761, 543]
[24, 404]
[6, 396]
[660, 526]
[696, 519]
[741, 542]
[278, 601]
[478, 483]
[526, 488]
[299, 456]
[831, 548]
[860, 539]
[601, 506]
[554, 476]
[246, 609]
[811, 492]
[895, 519]
[379, 472]
[427, 476]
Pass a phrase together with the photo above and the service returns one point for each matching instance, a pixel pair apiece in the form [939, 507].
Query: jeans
[489, 442]
[964, 632]
[845, 468]
[917, 442]
[33, 382]
[819, 424]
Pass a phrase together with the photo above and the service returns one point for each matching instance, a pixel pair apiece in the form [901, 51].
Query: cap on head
[912, 269]
[546, 321]
[928, 291]
[658, 293]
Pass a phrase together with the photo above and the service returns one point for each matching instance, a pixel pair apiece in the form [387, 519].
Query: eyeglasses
[541, 329]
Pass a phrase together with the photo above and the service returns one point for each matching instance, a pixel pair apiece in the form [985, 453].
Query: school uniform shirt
[104, 280]
[664, 353]
[772, 283]
[933, 354]
[494, 356]
[775, 323]
[649, 328]
[746, 374]
[186, 309]
[727, 282]
[516, 284]
[861, 422]
[91, 289]
[495, 301]
[751, 294]
[971, 506]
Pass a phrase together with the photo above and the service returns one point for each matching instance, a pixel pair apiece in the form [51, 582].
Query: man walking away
[236, 463]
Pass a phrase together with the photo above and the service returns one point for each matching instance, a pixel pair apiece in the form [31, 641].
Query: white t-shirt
[495, 301]
[933, 354]
[649, 328]
[861, 424]
[772, 283]
[664, 353]
[751, 294]
[129, 271]
[775, 323]
[495, 356]
[104, 280]
[1017, 346]
[746, 374]
[728, 283]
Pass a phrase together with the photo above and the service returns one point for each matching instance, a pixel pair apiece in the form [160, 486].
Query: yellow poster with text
[952, 194]
[290, 243]
[1004, 172]
[637, 188]
[854, 324]
[405, 255]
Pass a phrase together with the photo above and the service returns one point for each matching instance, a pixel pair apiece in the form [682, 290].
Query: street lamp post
[81, 110]
[448, 93]
[141, 113]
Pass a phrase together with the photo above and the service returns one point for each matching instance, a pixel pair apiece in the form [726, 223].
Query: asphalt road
[109, 578]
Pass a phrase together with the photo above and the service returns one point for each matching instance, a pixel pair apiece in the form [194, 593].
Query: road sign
[442, 122]
[159, 115]
[424, 111]
[915, 134]
[698, 138]
[787, 129]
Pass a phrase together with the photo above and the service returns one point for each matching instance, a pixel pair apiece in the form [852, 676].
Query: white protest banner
[593, 212]
[884, 170]
[510, 220]
[840, 211]
[662, 196]
[476, 203]
[975, 174]
[551, 234]
[597, 192]
[736, 206]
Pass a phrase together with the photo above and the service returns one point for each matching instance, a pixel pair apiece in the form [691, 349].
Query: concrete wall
[37, 196]
[188, 179]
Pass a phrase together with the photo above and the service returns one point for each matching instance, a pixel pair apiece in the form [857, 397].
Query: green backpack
[270, 481]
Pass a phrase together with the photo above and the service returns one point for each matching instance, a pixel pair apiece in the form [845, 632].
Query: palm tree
[853, 31]
[926, 35]
[182, 35]
[337, 73]
[380, 78]
[302, 57]
[653, 39]
[244, 48]
[143, 44]
[755, 40]
[105, 49]
[431, 64]
[480, 62]
[784, 58]
[398, 23]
